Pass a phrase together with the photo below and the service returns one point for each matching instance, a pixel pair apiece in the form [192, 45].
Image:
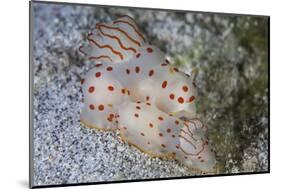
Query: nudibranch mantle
[133, 88]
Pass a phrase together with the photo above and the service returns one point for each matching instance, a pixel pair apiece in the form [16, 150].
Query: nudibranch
[135, 89]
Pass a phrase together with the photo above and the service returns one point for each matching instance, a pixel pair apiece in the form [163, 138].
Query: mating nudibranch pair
[135, 89]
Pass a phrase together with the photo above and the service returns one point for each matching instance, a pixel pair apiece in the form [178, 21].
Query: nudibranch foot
[98, 128]
[166, 156]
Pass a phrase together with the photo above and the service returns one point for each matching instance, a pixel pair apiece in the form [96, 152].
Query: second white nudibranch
[135, 89]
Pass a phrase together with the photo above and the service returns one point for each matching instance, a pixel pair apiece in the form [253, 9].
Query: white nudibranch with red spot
[133, 88]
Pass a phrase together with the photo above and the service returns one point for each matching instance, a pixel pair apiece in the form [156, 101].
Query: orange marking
[105, 46]
[122, 31]
[101, 107]
[192, 122]
[80, 49]
[160, 118]
[176, 69]
[191, 99]
[151, 125]
[149, 50]
[99, 57]
[92, 107]
[187, 126]
[128, 71]
[184, 132]
[185, 88]
[98, 65]
[188, 141]
[117, 38]
[91, 89]
[164, 84]
[136, 30]
[191, 135]
[98, 74]
[191, 153]
[203, 126]
[151, 72]
[111, 88]
[122, 16]
[109, 68]
[180, 100]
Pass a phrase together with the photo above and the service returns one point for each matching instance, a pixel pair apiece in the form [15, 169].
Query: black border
[137, 180]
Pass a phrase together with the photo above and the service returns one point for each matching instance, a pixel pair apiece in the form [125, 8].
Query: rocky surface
[230, 52]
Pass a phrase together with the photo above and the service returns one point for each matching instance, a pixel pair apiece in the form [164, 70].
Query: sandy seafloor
[65, 152]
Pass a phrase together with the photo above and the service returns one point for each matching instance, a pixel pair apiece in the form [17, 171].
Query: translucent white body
[133, 88]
